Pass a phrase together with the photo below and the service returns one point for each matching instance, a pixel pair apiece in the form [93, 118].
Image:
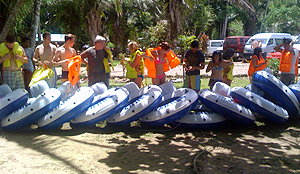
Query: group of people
[288, 65]
[158, 60]
[19, 62]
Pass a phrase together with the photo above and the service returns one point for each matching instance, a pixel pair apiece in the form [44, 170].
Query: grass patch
[237, 82]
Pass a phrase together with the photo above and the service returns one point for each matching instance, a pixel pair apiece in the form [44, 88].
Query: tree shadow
[232, 148]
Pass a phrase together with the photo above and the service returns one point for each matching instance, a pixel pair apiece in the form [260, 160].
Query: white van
[214, 45]
[268, 40]
[297, 43]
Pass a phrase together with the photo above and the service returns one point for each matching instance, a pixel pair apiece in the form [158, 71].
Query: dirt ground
[261, 148]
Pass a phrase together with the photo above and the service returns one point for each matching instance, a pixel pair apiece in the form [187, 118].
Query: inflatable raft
[201, 119]
[68, 109]
[12, 101]
[259, 105]
[226, 106]
[176, 106]
[141, 102]
[34, 109]
[115, 99]
[282, 95]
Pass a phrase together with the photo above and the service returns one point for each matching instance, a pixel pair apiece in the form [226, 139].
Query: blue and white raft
[222, 89]
[259, 105]
[12, 101]
[141, 102]
[67, 90]
[295, 88]
[113, 101]
[283, 96]
[34, 109]
[178, 105]
[67, 110]
[4, 89]
[39, 87]
[226, 106]
[201, 119]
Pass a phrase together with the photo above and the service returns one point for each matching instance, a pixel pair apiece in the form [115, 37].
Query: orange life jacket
[285, 64]
[252, 70]
[74, 68]
[172, 62]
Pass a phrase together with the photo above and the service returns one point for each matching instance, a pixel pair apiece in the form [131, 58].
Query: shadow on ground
[267, 148]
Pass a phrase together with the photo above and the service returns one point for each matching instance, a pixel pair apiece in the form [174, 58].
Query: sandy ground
[260, 148]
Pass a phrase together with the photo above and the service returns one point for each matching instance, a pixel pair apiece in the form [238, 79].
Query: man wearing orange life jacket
[288, 61]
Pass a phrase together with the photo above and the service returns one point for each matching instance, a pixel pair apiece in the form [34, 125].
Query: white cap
[99, 39]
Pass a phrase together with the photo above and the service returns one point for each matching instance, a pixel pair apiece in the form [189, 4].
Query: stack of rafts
[152, 105]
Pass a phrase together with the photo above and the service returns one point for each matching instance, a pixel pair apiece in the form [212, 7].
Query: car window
[297, 41]
[247, 39]
[233, 41]
[227, 41]
[241, 41]
[278, 41]
[216, 44]
[270, 42]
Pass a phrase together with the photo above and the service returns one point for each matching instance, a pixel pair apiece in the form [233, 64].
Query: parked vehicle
[297, 43]
[237, 43]
[268, 41]
[214, 45]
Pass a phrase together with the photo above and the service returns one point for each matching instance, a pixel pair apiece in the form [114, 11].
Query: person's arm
[22, 58]
[148, 57]
[84, 55]
[36, 56]
[135, 62]
[209, 66]
[6, 56]
[226, 63]
[278, 48]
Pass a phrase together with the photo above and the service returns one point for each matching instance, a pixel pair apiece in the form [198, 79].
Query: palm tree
[35, 22]
[174, 15]
[9, 22]
[250, 26]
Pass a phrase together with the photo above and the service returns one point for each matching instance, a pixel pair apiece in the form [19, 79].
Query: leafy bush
[273, 64]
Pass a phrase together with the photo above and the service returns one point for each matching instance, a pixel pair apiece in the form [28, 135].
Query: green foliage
[110, 45]
[283, 17]
[154, 35]
[273, 64]
[184, 43]
[236, 28]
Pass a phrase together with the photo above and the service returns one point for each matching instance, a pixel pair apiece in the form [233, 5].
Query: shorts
[14, 79]
[141, 76]
[192, 81]
[213, 81]
[64, 74]
[287, 79]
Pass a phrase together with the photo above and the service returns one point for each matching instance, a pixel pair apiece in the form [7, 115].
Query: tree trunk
[94, 23]
[35, 22]
[10, 20]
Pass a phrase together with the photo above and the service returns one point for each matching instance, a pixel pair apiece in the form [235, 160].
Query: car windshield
[297, 41]
[263, 41]
[216, 44]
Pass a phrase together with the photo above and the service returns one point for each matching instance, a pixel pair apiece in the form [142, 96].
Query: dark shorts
[64, 75]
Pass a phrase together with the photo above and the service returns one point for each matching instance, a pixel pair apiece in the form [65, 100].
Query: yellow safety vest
[16, 50]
